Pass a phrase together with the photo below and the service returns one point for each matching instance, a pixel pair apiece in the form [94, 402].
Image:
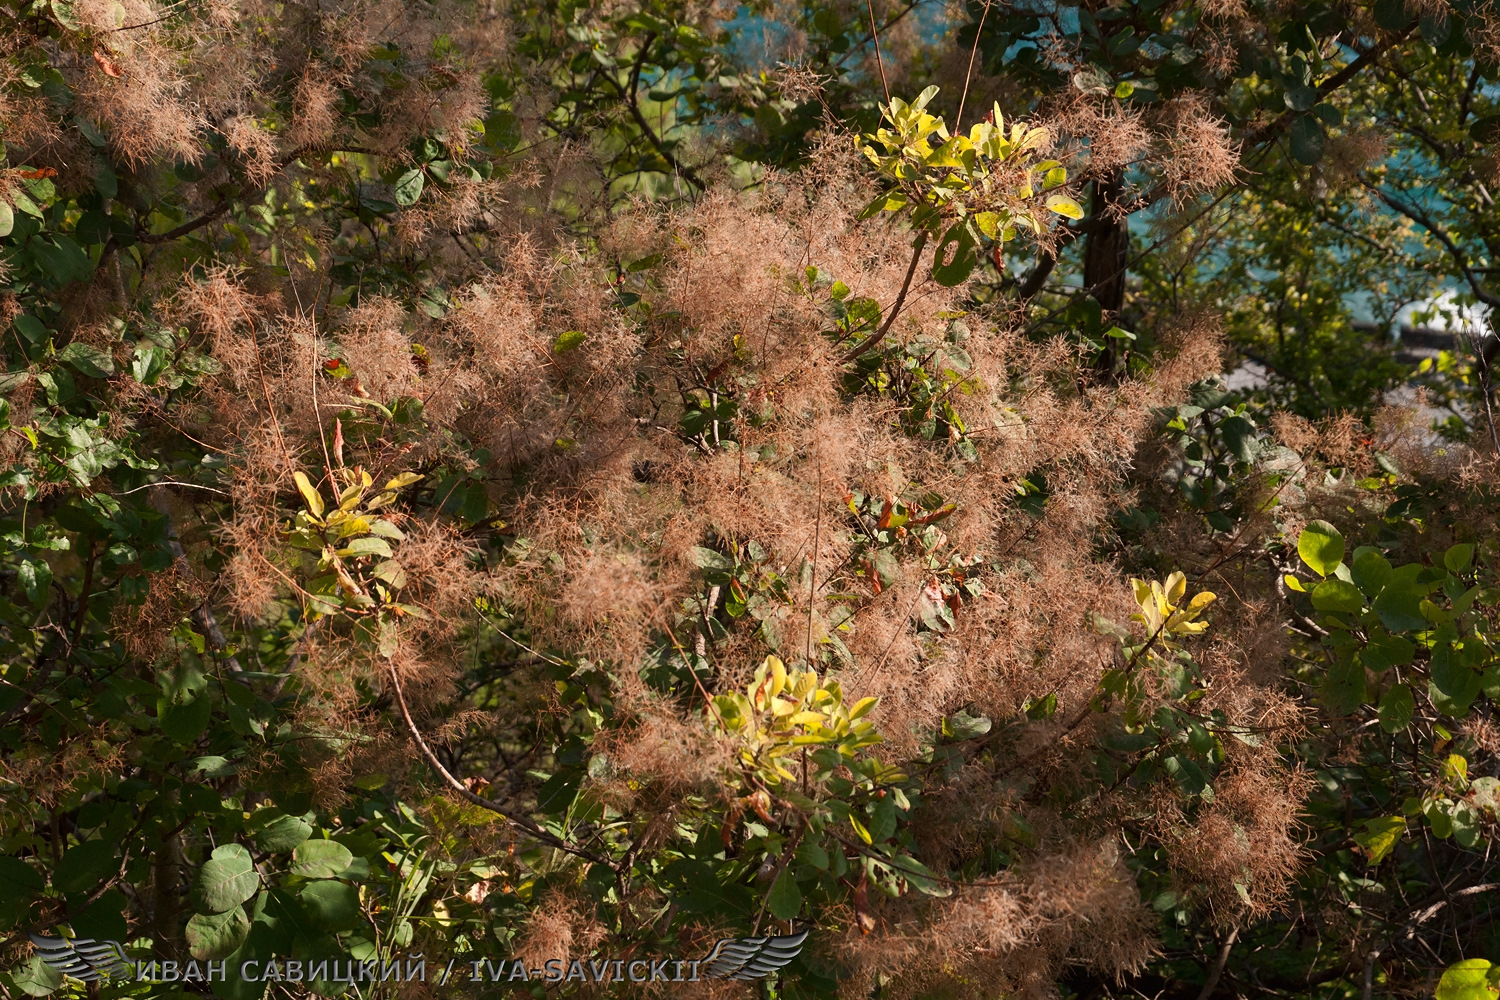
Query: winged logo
[83, 958]
[750, 958]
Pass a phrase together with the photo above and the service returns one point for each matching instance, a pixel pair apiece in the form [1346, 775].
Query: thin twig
[958, 121]
[879, 60]
[515, 819]
[812, 589]
[170, 482]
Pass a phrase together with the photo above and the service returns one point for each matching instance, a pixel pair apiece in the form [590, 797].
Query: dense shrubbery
[561, 482]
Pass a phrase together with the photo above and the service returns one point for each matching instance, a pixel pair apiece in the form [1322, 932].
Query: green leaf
[1471, 979]
[7, 218]
[320, 858]
[785, 900]
[85, 866]
[88, 359]
[19, 885]
[1306, 135]
[1239, 435]
[1328, 114]
[1370, 570]
[332, 905]
[1334, 594]
[275, 831]
[36, 978]
[1400, 603]
[30, 327]
[409, 187]
[1380, 837]
[63, 11]
[103, 918]
[183, 721]
[705, 558]
[568, 340]
[1344, 686]
[1321, 546]
[1384, 650]
[35, 576]
[1454, 685]
[369, 545]
[226, 880]
[61, 259]
[216, 935]
[1486, 129]
[1458, 557]
[956, 270]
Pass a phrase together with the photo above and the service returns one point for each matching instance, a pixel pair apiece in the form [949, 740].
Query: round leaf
[181, 721]
[1466, 980]
[320, 858]
[226, 880]
[85, 866]
[275, 831]
[1370, 569]
[1321, 547]
[409, 187]
[218, 934]
[36, 978]
[1458, 557]
[1336, 595]
[333, 905]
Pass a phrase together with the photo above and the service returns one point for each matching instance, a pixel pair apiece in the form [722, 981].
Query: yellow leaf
[778, 674]
[403, 480]
[1142, 591]
[1176, 586]
[1292, 583]
[802, 683]
[1380, 837]
[1064, 206]
[860, 829]
[1201, 600]
[309, 495]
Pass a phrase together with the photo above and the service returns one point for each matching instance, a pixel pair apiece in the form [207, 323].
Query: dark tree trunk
[1106, 252]
[165, 876]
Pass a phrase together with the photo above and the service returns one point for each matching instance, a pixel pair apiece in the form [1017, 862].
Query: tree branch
[1218, 970]
[632, 101]
[890, 319]
[524, 822]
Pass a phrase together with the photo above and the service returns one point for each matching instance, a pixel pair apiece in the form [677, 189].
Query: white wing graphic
[83, 958]
[751, 958]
